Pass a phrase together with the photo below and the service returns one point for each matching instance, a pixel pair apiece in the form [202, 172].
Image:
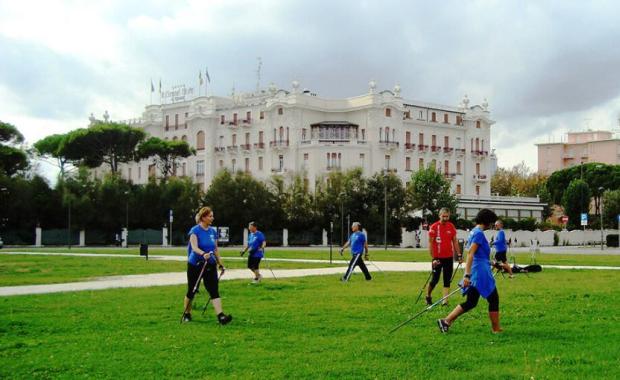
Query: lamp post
[127, 218]
[385, 177]
[600, 190]
[341, 218]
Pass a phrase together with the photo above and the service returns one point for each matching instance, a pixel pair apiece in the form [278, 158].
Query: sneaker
[259, 278]
[429, 300]
[187, 317]
[224, 319]
[368, 278]
[443, 325]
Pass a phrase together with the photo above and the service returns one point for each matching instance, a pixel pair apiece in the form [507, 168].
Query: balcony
[279, 145]
[233, 124]
[245, 148]
[568, 156]
[220, 150]
[435, 149]
[449, 176]
[246, 123]
[479, 153]
[259, 147]
[447, 150]
[422, 148]
[480, 178]
[233, 149]
[388, 145]
[460, 152]
[333, 168]
[409, 147]
[279, 170]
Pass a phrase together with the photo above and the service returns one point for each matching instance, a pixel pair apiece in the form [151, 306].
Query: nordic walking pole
[424, 286]
[425, 310]
[456, 270]
[195, 287]
[375, 265]
[209, 300]
[269, 266]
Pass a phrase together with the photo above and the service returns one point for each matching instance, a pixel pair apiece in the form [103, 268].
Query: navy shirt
[357, 242]
[255, 242]
[207, 240]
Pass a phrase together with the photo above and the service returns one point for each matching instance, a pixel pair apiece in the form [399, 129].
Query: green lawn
[30, 270]
[559, 324]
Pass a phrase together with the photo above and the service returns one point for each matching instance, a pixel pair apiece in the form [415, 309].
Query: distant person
[478, 279]
[256, 246]
[443, 244]
[359, 245]
[501, 248]
[202, 251]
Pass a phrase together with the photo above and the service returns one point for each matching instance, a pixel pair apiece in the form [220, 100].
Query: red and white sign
[564, 219]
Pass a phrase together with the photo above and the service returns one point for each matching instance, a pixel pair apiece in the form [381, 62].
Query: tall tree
[517, 181]
[429, 191]
[576, 200]
[165, 154]
[12, 159]
[103, 143]
[50, 146]
[611, 208]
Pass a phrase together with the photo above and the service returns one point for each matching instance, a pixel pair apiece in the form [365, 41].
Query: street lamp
[341, 218]
[600, 190]
[385, 177]
[127, 218]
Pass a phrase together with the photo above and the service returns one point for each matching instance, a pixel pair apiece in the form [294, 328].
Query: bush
[612, 240]
[464, 224]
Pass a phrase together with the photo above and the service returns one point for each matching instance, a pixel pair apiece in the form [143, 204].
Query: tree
[12, 159]
[51, 146]
[518, 181]
[429, 191]
[165, 154]
[103, 143]
[576, 199]
[297, 203]
[611, 208]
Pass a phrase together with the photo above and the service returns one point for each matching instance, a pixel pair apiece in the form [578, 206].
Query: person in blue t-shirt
[256, 246]
[501, 247]
[478, 279]
[202, 253]
[359, 245]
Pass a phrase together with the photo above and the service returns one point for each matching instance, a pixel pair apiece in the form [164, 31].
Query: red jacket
[440, 237]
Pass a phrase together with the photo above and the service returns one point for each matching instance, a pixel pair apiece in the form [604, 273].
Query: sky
[545, 67]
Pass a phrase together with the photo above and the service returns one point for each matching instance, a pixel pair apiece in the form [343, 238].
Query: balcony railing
[220, 149]
[480, 178]
[246, 147]
[448, 150]
[259, 145]
[423, 148]
[279, 144]
[246, 122]
[332, 167]
[480, 153]
[409, 146]
[232, 148]
[232, 123]
[460, 151]
[435, 148]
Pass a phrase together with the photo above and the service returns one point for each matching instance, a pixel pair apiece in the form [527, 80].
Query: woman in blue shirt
[256, 245]
[478, 280]
[359, 245]
[202, 252]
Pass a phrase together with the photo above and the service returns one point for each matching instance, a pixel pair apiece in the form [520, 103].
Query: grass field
[31, 270]
[559, 324]
[377, 254]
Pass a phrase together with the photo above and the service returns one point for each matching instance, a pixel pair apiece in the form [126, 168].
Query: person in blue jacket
[256, 246]
[202, 251]
[478, 279]
[501, 247]
[359, 245]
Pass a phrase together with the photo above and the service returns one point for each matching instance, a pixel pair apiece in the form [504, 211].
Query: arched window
[200, 140]
[387, 133]
[281, 133]
[175, 138]
[184, 138]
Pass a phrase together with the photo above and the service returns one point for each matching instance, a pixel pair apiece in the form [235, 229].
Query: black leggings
[473, 296]
[359, 263]
[445, 266]
[209, 277]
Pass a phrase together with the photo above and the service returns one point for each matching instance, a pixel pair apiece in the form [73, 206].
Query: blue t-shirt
[255, 242]
[207, 240]
[500, 242]
[357, 240]
[481, 276]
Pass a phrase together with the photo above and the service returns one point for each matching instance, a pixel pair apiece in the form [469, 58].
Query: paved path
[179, 278]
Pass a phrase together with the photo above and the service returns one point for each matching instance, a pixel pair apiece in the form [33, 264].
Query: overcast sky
[545, 67]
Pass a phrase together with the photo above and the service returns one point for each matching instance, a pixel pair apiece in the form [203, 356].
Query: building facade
[280, 132]
[580, 147]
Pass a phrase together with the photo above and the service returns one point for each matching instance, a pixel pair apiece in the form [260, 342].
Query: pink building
[580, 147]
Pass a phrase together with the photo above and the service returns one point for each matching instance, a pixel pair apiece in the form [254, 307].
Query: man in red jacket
[443, 243]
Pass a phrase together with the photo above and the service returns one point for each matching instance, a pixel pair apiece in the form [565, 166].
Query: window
[477, 190]
[420, 164]
[247, 164]
[433, 117]
[477, 144]
[434, 140]
[380, 134]
[152, 170]
[446, 167]
[200, 140]
[221, 141]
[408, 163]
[477, 168]
[388, 112]
[362, 158]
[221, 164]
[176, 121]
[260, 163]
[408, 137]
[482, 144]
[477, 123]
[281, 162]
[234, 164]
[248, 115]
[234, 118]
[329, 161]
[280, 111]
[167, 122]
[222, 119]
[459, 120]
[306, 160]
[387, 162]
[407, 115]
[458, 167]
[247, 138]
[184, 138]
[434, 164]
[139, 172]
[185, 120]
[262, 115]
[200, 168]
[234, 139]
[445, 118]
[458, 189]
[421, 116]
[421, 138]
[175, 138]
[363, 135]
[387, 133]
[446, 141]
[183, 169]
[281, 133]
[303, 134]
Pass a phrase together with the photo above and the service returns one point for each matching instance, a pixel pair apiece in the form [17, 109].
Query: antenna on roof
[260, 65]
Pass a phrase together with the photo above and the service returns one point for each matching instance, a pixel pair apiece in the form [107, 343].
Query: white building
[297, 132]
